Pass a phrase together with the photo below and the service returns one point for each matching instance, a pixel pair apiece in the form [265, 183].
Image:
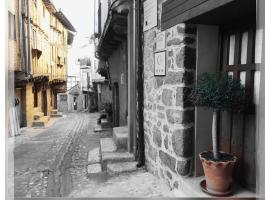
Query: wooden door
[237, 130]
[44, 102]
[116, 104]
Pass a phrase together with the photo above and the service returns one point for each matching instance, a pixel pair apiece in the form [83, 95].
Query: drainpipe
[141, 155]
[28, 37]
[21, 38]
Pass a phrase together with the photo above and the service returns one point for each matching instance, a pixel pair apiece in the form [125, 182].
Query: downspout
[21, 38]
[141, 153]
[28, 37]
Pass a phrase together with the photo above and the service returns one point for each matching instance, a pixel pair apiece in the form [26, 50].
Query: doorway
[44, 102]
[238, 129]
[74, 103]
[116, 104]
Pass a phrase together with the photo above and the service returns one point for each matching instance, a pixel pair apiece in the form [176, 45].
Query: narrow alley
[135, 98]
[53, 162]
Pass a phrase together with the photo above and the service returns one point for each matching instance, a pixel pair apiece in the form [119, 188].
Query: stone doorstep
[190, 187]
[39, 123]
[54, 111]
[107, 145]
[38, 115]
[94, 156]
[121, 167]
[94, 170]
[98, 128]
[57, 115]
[105, 124]
[112, 157]
[120, 136]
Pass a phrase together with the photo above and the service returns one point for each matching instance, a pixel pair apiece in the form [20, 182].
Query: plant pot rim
[217, 162]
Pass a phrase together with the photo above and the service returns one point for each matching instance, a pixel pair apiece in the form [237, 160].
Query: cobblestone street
[53, 162]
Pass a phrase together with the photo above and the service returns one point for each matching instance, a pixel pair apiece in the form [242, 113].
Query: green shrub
[219, 91]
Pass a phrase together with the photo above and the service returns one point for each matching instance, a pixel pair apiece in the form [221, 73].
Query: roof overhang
[115, 29]
[210, 12]
[63, 19]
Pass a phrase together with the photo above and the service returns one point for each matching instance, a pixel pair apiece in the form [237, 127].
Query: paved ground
[138, 184]
[53, 162]
[38, 152]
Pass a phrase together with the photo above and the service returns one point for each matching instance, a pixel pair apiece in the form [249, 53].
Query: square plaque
[160, 63]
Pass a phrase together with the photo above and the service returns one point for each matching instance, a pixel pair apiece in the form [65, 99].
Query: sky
[81, 14]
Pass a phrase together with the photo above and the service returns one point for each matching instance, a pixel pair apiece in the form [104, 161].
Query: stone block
[107, 145]
[157, 136]
[152, 152]
[174, 41]
[121, 167]
[117, 157]
[120, 137]
[183, 97]
[167, 97]
[174, 78]
[160, 107]
[183, 167]
[182, 142]
[169, 175]
[94, 169]
[166, 128]
[166, 142]
[167, 160]
[179, 117]
[159, 81]
[94, 156]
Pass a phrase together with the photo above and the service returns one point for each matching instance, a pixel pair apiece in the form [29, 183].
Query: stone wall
[168, 113]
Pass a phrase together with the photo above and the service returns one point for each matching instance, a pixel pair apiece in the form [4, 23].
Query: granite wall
[168, 113]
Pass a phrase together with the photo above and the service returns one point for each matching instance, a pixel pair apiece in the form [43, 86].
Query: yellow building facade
[43, 38]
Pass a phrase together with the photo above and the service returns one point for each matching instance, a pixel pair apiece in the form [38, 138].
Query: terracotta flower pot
[218, 174]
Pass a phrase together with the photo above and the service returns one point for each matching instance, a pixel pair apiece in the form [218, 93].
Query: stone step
[113, 157]
[54, 111]
[45, 119]
[38, 115]
[94, 170]
[94, 156]
[107, 145]
[121, 167]
[38, 124]
[98, 128]
[105, 123]
[56, 115]
[120, 137]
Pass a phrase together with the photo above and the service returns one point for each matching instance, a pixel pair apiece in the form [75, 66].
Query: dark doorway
[116, 104]
[55, 100]
[44, 102]
[35, 97]
[74, 103]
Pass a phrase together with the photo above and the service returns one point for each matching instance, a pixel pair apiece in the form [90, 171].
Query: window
[240, 53]
[12, 26]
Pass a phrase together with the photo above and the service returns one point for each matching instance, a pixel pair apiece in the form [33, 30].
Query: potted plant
[218, 92]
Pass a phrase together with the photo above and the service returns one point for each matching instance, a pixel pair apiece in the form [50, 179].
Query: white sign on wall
[160, 63]
[161, 41]
[150, 14]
